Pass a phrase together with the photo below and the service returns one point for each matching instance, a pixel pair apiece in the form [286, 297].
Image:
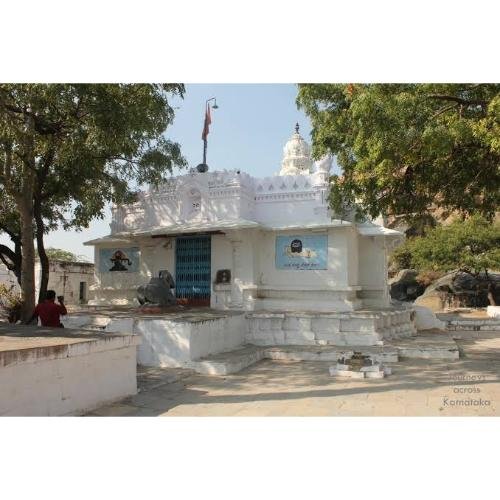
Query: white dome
[324, 164]
[296, 155]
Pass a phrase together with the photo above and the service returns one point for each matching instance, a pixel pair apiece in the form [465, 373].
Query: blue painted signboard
[119, 259]
[302, 253]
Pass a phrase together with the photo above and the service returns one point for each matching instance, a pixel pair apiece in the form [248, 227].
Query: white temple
[233, 241]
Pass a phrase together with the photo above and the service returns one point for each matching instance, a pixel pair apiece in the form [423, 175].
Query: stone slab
[29, 344]
[346, 373]
[431, 344]
[371, 369]
[228, 362]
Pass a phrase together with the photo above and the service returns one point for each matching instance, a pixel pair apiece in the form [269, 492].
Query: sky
[248, 132]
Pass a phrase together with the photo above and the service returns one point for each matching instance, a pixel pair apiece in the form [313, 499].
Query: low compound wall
[177, 343]
[43, 373]
[173, 340]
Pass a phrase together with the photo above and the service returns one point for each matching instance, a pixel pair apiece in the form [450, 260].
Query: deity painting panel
[302, 253]
[119, 259]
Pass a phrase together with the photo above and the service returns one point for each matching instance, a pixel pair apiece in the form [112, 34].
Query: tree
[60, 254]
[471, 246]
[68, 149]
[9, 224]
[406, 149]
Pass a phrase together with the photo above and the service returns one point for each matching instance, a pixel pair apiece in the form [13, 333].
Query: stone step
[473, 324]
[229, 362]
[225, 363]
[431, 345]
[329, 353]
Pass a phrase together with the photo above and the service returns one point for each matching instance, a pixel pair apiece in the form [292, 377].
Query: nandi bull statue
[158, 292]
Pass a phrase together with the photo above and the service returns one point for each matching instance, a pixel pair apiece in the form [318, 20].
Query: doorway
[193, 270]
[83, 292]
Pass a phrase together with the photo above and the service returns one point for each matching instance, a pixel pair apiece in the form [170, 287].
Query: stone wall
[67, 379]
[65, 279]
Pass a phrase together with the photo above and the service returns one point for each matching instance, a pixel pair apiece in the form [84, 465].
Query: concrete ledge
[173, 338]
[29, 344]
[53, 371]
[228, 362]
[431, 344]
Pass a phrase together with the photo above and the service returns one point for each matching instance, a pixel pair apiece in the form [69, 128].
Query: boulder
[493, 312]
[459, 289]
[404, 286]
[425, 319]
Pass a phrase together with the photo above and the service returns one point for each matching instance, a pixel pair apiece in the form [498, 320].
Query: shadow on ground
[416, 387]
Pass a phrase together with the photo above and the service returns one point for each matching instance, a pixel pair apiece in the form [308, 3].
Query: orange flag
[208, 121]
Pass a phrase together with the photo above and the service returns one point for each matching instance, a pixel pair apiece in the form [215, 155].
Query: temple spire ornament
[296, 156]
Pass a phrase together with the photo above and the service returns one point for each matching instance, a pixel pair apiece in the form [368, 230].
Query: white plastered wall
[221, 258]
[157, 254]
[373, 271]
[331, 289]
[336, 276]
[120, 288]
[88, 375]
[115, 288]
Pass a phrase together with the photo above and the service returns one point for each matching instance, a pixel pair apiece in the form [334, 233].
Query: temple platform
[353, 328]
[179, 337]
[172, 337]
[54, 371]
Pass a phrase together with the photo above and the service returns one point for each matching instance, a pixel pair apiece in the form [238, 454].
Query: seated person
[50, 312]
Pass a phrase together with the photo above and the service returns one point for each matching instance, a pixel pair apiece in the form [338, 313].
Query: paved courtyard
[417, 387]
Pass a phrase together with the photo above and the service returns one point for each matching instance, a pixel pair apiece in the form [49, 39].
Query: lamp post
[203, 167]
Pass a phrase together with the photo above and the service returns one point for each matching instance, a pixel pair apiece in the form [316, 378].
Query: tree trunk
[25, 206]
[44, 260]
[24, 201]
[19, 262]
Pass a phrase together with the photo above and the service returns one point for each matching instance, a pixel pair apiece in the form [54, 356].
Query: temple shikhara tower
[269, 247]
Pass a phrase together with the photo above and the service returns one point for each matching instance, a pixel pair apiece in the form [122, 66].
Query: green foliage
[93, 143]
[472, 245]
[408, 148]
[10, 303]
[67, 150]
[64, 255]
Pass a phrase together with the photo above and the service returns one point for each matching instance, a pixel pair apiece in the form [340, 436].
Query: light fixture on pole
[203, 167]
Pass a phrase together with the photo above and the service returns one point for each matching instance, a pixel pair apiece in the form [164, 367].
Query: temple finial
[297, 128]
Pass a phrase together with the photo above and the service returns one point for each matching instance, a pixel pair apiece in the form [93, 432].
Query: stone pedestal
[359, 366]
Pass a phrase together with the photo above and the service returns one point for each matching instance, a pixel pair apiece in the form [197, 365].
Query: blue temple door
[192, 270]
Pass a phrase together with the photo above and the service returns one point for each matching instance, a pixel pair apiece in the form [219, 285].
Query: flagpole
[203, 167]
